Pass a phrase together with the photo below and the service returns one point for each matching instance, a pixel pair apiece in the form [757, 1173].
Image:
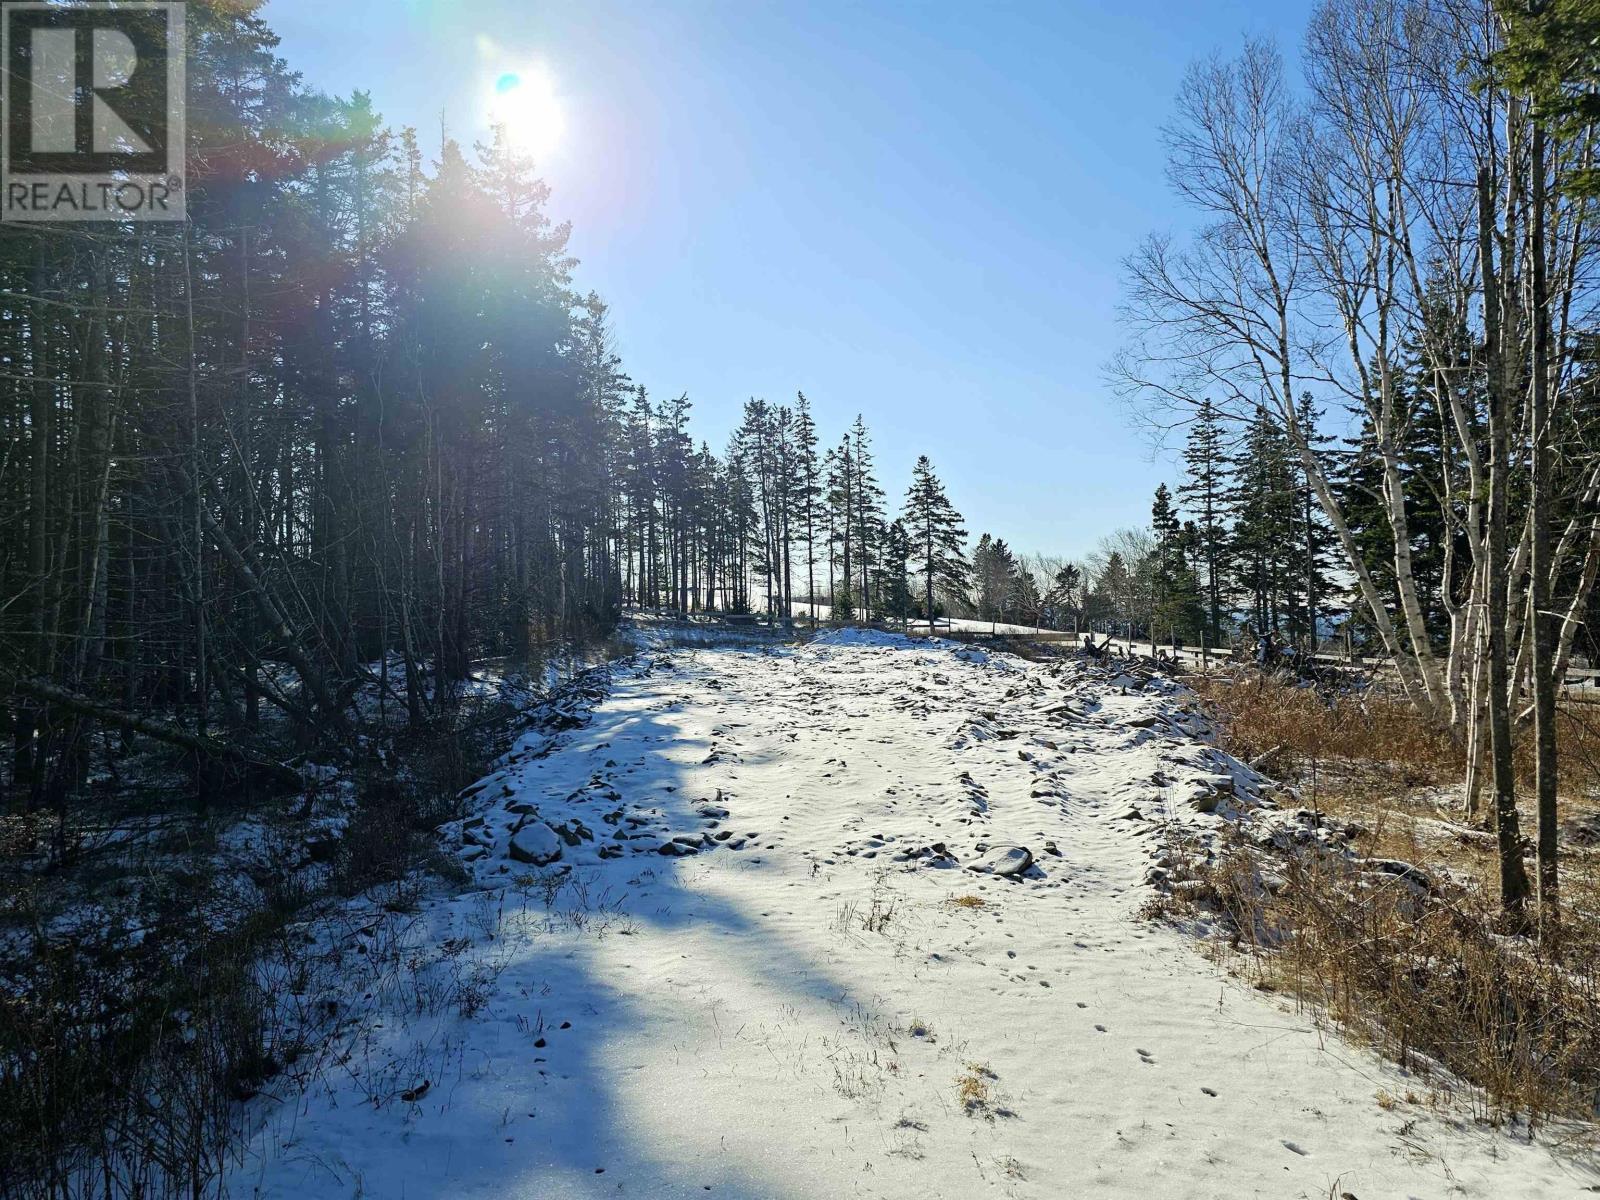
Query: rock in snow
[536, 844]
[1003, 860]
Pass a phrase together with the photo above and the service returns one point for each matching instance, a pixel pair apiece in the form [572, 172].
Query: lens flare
[525, 104]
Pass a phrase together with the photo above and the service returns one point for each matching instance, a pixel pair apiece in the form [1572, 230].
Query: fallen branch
[279, 775]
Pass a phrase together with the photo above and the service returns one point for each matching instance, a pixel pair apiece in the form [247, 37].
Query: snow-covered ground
[803, 608]
[779, 956]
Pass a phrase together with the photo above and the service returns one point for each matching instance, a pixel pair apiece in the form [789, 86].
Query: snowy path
[800, 1008]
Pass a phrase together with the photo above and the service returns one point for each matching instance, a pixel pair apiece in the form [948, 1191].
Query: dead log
[267, 607]
[252, 766]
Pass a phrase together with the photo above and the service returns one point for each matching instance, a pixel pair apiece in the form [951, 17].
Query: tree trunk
[1539, 615]
[1513, 879]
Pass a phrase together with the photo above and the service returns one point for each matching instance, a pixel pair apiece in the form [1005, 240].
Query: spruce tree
[1419, 441]
[1204, 494]
[938, 541]
[1263, 503]
[867, 515]
[1314, 540]
[807, 490]
[893, 587]
[1173, 593]
[840, 474]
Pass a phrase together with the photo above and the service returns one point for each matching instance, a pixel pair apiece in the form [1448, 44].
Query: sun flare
[525, 103]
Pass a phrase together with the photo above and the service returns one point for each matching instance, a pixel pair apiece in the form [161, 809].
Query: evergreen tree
[937, 538]
[1115, 598]
[1314, 541]
[893, 586]
[1027, 607]
[867, 509]
[840, 476]
[1419, 439]
[1064, 594]
[997, 580]
[1263, 503]
[1204, 494]
[1174, 591]
[807, 490]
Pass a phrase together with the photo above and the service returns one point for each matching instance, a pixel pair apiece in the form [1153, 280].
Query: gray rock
[573, 831]
[1003, 860]
[1403, 871]
[535, 844]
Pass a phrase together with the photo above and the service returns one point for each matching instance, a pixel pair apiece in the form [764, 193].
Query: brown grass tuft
[973, 1088]
[1423, 975]
[1424, 979]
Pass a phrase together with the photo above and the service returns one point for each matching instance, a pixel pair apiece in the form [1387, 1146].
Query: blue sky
[912, 211]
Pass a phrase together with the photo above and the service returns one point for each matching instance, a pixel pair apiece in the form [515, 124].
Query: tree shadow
[533, 1095]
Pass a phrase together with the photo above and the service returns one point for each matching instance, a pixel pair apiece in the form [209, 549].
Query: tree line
[1405, 235]
[352, 426]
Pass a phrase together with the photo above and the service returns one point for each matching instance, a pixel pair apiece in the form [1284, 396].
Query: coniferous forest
[357, 418]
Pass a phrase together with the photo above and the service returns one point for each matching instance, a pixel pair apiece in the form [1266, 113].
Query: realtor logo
[93, 107]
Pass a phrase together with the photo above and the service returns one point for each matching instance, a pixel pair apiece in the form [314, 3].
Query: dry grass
[1305, 729]
[973, 1088]
[1421, 974]
[1376, 762]
[1376, 733]
[1424, 978]
[969, 901]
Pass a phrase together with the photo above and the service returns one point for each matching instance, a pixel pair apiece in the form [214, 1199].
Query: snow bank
[873, 639]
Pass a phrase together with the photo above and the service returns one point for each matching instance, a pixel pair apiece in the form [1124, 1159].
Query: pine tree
[983, 576]
[867, 515]
[1173, 589]
[1314, 541]
[1204, 494]
[840, 474]
[997, 580]
[1420, 438]
[1263, 504]
[807, 490]
[938, 540]
[893, 587]
[1115, 598]
[1064, 594]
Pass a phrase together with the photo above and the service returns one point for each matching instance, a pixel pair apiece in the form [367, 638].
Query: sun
[525, 103]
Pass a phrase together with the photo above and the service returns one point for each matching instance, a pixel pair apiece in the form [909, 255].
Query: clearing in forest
[853, 918]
